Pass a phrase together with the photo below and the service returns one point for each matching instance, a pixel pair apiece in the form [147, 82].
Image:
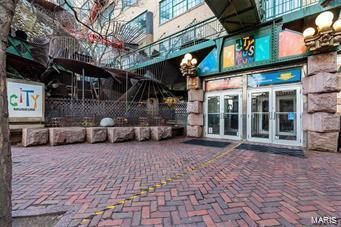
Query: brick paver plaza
[237, 188]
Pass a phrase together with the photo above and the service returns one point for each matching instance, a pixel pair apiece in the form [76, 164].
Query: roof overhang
[235, 15]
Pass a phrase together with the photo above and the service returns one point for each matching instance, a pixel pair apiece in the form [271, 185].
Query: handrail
[273, 9]
[192, 35]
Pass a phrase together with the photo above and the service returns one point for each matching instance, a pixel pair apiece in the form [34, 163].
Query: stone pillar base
[323, 141]
[194, 131]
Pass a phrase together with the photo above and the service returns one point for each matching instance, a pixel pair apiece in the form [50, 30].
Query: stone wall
[195, 121]
[321, 119]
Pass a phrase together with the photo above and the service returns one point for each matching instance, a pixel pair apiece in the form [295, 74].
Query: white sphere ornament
[309, 32]
[324, 21]
[188, 57]
[194, 61]
[337, 25]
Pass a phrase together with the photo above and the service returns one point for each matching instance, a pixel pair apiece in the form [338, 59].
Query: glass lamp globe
[324, 21]
[309, 32]
[188, 57]
[194, 61]
[337, 25]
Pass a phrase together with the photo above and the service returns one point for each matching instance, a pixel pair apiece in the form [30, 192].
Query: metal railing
[75, 112]
[276, 8]
[81, 50]
[193, 35]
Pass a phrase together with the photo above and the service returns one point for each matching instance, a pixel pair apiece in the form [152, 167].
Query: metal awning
[235, 15]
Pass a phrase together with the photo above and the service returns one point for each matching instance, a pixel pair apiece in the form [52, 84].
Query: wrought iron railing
[272, 9]
[193, 35]
[75, 112]
[68, 47]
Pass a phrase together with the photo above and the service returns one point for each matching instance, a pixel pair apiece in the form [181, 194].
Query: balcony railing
[276, 8]
[161, 49]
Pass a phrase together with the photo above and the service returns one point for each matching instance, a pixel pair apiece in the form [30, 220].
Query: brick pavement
[242, 188]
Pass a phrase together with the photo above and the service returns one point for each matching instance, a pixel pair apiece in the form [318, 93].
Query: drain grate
[272, 150]
[207, 143]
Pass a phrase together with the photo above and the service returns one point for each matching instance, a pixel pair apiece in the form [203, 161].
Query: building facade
[251, 75]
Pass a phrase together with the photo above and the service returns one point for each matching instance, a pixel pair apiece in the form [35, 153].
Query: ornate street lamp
[326, 35]
[188, 65]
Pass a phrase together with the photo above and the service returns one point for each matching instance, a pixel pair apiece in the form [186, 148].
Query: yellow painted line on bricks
[159, 185]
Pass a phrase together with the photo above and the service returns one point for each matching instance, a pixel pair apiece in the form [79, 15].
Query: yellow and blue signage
[276, 77]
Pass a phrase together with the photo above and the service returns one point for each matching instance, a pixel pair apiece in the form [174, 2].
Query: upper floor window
[128, 3]
[173, 8]
[139, 22]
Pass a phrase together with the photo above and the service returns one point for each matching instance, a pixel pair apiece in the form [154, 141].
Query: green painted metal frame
[175, 54]
[200, 45]
[273, 29]
[309, 11]
[12, 49]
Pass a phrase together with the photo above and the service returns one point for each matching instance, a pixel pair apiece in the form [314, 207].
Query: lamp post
[195, 120]
[188, 66]
[326, 35]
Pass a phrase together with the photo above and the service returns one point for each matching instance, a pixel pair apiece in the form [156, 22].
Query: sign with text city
[26, 101]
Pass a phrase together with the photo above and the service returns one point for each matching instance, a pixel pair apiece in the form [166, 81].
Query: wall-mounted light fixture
[326, 34]
[188, 65]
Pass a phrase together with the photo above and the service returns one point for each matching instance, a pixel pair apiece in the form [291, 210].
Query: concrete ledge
[35, 136]
[160, 132]
[96, 134]
[142, 133]
[120, 134]
[60, 136]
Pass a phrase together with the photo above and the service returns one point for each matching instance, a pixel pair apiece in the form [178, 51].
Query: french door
[274, 115]
[223, 114]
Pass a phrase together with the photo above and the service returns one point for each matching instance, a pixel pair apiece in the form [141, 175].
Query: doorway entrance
[274, 115]
[223, 114]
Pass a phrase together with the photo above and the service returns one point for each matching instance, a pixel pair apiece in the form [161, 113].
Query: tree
[7, 9]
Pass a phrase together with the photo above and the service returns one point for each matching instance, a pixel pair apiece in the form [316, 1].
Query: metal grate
[70, 112]
[272, 150]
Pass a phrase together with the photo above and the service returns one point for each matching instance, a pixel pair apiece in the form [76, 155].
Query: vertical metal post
[244, 107]
[126, 92]
[83, 84]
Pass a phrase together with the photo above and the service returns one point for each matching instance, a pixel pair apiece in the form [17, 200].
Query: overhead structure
[236, 15]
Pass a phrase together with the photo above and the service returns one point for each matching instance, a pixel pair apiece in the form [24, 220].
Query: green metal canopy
[235, 14]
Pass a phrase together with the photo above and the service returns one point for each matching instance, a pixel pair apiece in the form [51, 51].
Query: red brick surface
[242, 188]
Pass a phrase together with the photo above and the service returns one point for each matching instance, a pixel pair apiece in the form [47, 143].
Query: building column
[321, 87]
[195, 121]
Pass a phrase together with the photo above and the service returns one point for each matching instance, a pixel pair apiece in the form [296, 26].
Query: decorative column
[195, 121]
[321, 120]
[322, 85]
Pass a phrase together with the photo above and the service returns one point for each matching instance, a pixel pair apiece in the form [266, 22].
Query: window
[128, 3]
[139, 22]
[173, 8]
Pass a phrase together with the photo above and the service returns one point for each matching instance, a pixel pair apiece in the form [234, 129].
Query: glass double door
[274, 115]
[223, 115]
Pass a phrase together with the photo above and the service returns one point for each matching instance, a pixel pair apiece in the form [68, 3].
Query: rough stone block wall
[322, 87]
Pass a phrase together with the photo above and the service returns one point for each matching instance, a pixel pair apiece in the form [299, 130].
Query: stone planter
[35, 136]
[60, 136]
[120, 134]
